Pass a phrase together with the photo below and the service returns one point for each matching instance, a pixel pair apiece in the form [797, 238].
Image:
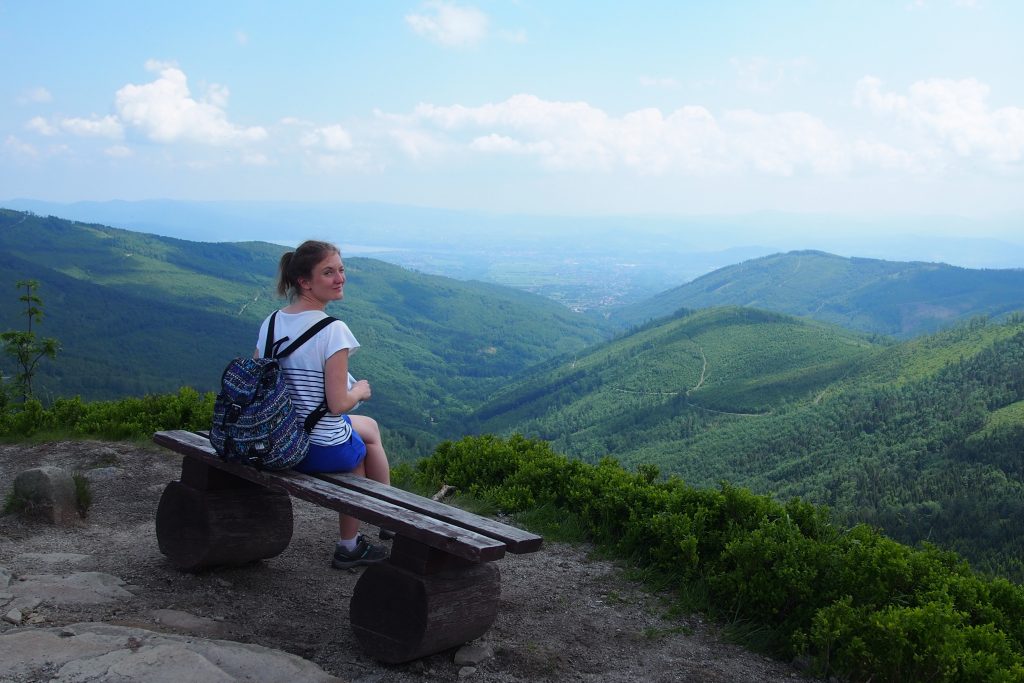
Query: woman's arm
[341, 399]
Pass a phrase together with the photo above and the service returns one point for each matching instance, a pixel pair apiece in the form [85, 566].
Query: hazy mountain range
[870, 295]
[587, 262]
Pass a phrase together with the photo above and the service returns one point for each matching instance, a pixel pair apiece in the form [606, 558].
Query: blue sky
[859, 107]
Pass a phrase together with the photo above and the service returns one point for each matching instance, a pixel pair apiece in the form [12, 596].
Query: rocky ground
[564, 615]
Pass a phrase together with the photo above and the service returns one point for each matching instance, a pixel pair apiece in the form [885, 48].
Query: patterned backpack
[254, 421]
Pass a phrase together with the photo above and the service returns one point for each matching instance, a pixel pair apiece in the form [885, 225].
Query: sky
[860, 107]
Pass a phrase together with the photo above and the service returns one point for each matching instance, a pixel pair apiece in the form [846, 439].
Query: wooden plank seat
[438, 589]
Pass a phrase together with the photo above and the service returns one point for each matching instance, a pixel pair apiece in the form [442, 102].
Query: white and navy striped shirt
[304, 368]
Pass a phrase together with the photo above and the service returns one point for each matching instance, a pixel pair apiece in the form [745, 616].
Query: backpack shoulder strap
[321, 409]
[315, 416]
[305, 337]
[268, 347]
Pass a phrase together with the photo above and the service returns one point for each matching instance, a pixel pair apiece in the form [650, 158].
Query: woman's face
[327, 281]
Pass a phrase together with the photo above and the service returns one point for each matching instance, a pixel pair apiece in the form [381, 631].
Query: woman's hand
[361, 390]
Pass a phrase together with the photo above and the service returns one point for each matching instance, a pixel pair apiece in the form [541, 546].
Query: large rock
[101, 652]
[47, 493]
[80, 588]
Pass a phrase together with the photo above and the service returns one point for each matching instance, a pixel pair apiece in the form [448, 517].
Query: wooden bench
[439, 588]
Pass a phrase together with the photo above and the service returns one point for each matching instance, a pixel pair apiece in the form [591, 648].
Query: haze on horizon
[869, 111]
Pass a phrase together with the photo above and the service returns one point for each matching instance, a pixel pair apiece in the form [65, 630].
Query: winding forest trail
[698, 385]
[703, 371]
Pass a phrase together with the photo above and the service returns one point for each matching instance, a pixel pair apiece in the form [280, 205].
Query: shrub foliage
[850, 600]
[127, 418]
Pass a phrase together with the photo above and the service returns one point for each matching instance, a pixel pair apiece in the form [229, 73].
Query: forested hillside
[924, 438]
[926, 441]
[870, 295]
[137, 313]
[673, 379]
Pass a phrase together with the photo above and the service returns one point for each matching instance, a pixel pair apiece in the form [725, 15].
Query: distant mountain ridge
[881, 297]
[593, 263]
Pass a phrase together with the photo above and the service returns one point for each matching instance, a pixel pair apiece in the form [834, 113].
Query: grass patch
[15, 503]
[553, 524]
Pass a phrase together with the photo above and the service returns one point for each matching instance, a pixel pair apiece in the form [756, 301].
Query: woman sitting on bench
[311, 277]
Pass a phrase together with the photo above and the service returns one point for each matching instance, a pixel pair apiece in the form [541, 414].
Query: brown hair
[300, 264]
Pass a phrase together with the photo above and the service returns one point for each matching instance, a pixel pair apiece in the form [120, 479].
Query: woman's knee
[367, 428]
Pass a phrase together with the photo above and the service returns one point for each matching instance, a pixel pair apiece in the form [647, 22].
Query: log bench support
[438, 589]
[401, 615]
[208, 519]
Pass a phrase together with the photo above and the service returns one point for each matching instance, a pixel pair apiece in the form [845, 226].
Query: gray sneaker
[365, 553]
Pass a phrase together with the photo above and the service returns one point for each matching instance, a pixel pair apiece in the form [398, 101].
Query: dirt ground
[564, 615]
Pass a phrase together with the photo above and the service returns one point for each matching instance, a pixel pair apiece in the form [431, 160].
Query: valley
[729, 377]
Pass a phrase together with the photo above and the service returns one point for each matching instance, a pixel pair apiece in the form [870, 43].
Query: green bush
[128, 418]
[856, 603]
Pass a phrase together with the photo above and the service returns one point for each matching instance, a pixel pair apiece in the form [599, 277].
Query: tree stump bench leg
[422, 601]
[213, 518]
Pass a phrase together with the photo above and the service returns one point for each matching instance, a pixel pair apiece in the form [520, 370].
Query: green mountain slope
[934, 453]
[869, 295]
[673, 379]
[137, 313]
[924, 438]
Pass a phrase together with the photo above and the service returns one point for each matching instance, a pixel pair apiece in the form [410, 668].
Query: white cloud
[37, 124]
[953, 114]
[95, 126]
[577, 136]
[928, 130]
[527, 112]
[416, 144]
[505, 144]
[217, 95]
[256, 159]
[37, 95]
[118, 152]
[327, 148]
[165, 111]
[688, 139]
[19, 147]
[884, 156]
[449, 24]
[330, 138]
[497, 143]
[780, 144]
[105, 127]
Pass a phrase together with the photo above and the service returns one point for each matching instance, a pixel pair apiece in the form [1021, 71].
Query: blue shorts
[342, 457]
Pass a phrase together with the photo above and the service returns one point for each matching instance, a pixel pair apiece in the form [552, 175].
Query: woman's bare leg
[374, 466]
